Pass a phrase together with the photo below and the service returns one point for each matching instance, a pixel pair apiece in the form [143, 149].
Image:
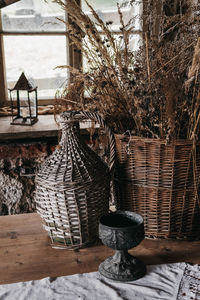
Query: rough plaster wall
[18, 163]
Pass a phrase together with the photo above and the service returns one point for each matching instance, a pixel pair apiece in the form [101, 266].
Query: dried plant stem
[195, 63]
[193, 77]
[173, 58]
[68, 100]
[103, 26]
[147, 56]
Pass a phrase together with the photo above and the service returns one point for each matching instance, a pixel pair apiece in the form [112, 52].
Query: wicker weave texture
[73, 188]
[157, 181]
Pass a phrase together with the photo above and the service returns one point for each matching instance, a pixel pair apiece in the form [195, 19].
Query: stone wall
[18, 162]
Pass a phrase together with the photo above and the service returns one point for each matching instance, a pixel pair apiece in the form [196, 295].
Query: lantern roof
[23, 84]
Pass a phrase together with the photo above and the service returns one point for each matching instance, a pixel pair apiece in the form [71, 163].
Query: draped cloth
[178, 281]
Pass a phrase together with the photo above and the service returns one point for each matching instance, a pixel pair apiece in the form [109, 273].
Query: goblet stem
[121, 256]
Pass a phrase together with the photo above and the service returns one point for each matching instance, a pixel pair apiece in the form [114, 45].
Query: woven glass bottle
[73, 186]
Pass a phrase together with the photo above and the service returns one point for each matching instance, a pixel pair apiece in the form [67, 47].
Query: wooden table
[26, 254]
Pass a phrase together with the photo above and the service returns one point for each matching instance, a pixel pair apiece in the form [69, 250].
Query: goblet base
[122, 267]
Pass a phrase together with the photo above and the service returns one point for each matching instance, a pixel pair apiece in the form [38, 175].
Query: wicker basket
[157, 181]
[73, 186]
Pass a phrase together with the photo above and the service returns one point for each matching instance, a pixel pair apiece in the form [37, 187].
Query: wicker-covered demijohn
[161, 182]
[73, 186]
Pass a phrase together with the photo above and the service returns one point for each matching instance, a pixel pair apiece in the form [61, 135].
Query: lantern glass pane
[37, 57]
[13, 95]
[23, 104]
[33, 15]
[32, 98]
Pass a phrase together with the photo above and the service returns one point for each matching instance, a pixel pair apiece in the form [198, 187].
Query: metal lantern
[27, 108]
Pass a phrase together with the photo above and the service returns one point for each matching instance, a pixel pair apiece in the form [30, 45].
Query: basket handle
[111, 140]
[81, 115]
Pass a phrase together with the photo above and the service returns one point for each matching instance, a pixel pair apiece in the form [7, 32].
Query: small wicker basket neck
[69, 124]
[70, 130]
[67, 119]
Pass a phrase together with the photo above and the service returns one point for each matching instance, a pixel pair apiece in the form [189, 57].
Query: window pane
[32, 15]
[37, 56]
[100, 4]
[107, 11]
[134, 44]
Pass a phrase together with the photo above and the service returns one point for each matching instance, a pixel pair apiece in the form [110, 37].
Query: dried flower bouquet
[153, 92]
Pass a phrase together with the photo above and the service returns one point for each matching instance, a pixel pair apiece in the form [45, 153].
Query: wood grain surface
[26, 253]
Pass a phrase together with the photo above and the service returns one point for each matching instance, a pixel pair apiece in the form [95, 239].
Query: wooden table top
[26, 253]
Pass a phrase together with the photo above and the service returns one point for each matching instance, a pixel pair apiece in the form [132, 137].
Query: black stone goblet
[122, 230]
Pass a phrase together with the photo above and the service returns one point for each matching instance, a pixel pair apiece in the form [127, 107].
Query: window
[107, 11]
[34, 42]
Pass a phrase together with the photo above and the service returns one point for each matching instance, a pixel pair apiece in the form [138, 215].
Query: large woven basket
[160, 182]
[73, 186]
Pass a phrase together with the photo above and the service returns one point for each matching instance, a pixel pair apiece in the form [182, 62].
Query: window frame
[4, 97]
[74, 58]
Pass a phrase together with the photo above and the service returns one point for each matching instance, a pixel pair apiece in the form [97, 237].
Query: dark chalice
[122, 230]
